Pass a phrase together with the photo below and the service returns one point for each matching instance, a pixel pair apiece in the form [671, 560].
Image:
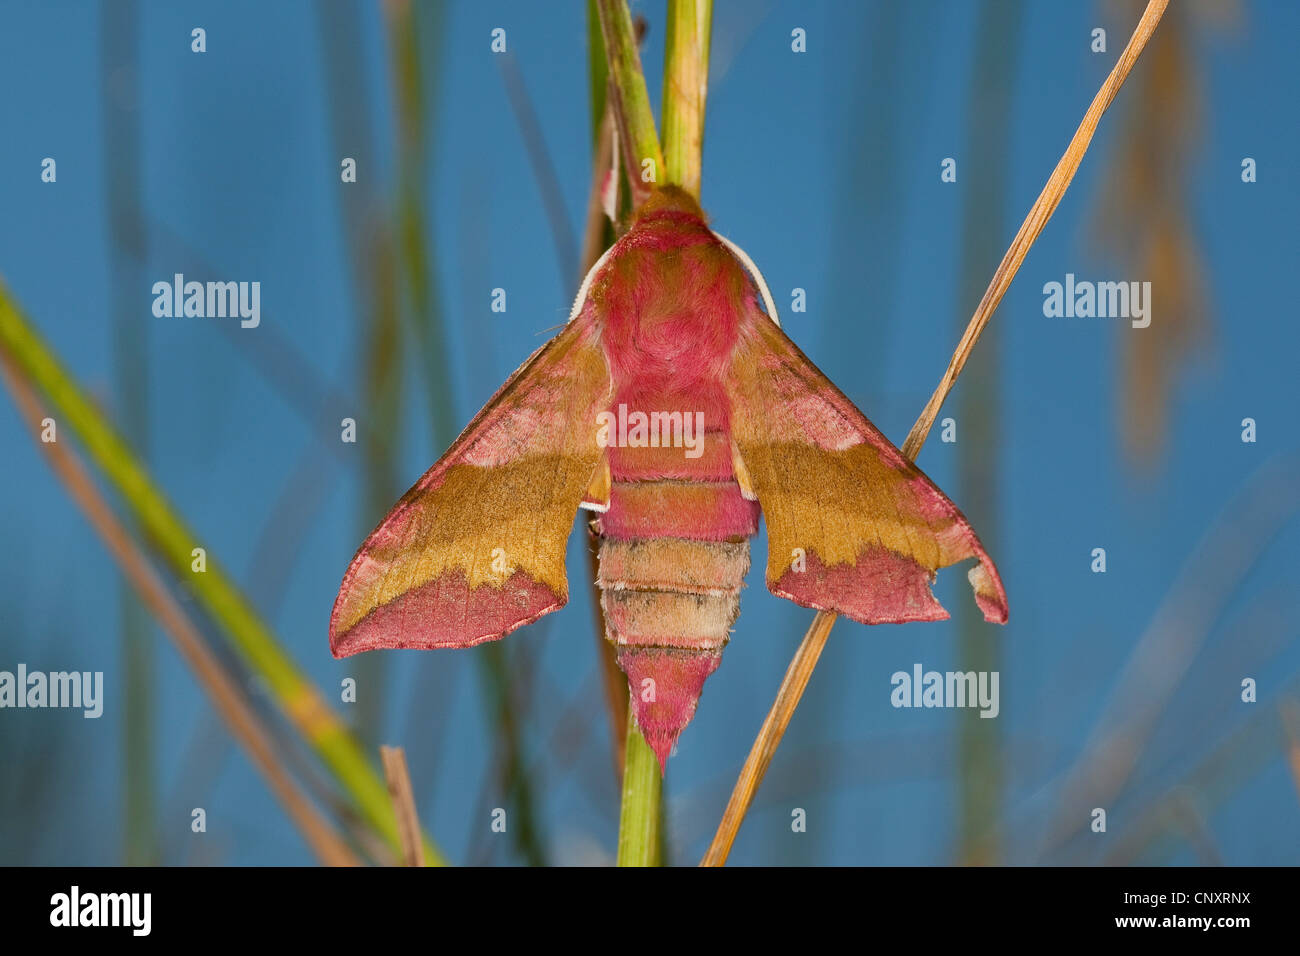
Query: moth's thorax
[669, 302]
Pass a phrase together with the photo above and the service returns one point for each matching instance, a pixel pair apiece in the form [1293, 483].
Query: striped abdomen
[674, 550]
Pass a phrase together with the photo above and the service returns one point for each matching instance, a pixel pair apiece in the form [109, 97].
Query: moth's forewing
[853, 526]
[476, 548]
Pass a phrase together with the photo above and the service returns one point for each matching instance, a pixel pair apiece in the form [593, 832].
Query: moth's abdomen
[675, 534]
[670, 592]
[673, 557]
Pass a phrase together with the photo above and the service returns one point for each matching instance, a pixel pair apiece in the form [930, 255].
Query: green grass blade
[301, 702]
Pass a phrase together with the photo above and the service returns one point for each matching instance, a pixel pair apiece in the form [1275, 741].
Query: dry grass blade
[800, 669]
[1033, 225]
[399, 788]
[769, 737]
[226, 697]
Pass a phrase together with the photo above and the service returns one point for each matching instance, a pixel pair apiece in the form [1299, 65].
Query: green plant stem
[639, 818]
[175, 542]
[686, 87]
[641, 811]
[636, 122]
[597, 71]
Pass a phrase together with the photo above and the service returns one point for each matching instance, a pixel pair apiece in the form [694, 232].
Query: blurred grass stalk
[128, 250]
[1143, 220]
[502, 714]
[300, 701]
[411, 75]
[799, 671]
[229, 701]
[1233, 763]
[376, 307]
[1210, 578]
[409, 79]
[980, 747]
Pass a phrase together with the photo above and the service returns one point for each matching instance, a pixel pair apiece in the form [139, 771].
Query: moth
[674, 408]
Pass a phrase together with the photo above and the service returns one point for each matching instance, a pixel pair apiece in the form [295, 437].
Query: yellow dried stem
[403, 794]
[805, 659]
